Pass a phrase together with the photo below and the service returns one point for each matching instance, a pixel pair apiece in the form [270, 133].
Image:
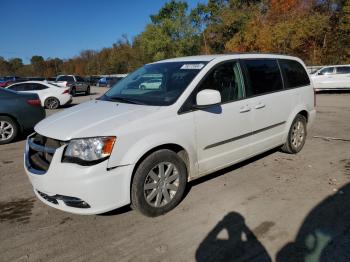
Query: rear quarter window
[262, 76]
[294, 73]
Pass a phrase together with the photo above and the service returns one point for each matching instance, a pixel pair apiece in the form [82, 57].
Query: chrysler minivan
[143, 145]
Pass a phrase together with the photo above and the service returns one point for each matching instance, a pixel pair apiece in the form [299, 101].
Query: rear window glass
[294, 73]
[262, 76]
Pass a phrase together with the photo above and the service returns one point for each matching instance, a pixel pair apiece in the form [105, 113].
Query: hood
[93, 118]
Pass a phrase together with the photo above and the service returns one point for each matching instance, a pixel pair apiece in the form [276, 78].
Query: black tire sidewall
[73, 91]
[291, 146]
[15, 129]
[87, 91]
[137, 193]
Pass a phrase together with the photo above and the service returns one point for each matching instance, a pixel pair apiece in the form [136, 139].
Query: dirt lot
[275, 207]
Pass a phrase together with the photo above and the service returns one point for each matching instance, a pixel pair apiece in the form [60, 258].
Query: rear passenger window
[294, 73]
[343, 70]
[38, 87]
[262, 76]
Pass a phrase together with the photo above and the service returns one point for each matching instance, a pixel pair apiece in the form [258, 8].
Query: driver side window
[327, 71]
[225, 78]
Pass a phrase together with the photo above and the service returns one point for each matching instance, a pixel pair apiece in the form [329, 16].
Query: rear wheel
[296, 136]
[159, 183]
[52, 103]
[87, 92]
[73, 91]
[8, 130]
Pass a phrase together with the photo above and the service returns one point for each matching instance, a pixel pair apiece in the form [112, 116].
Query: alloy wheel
[161, 184]
[52, 103]
[298, 134]
[6, 130]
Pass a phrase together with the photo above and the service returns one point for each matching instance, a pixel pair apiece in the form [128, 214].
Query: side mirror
[208, 97]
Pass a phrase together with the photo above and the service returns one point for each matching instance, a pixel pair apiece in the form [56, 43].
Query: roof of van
[228, 56]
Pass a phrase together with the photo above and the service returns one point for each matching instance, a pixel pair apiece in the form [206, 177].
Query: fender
[144, 145]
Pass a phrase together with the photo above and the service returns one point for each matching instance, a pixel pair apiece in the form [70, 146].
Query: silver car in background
[76, 84]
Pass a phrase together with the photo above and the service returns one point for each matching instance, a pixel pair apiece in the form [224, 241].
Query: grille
[40, 152]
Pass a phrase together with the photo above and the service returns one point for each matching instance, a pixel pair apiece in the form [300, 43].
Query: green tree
[171, 34]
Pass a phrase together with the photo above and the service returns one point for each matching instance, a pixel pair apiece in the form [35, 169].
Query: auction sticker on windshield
[192, 66]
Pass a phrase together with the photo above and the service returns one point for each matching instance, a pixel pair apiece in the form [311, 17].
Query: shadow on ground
[324, 236]
[325, 233]
[231, 240]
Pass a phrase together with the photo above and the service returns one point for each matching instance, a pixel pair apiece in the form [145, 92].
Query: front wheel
[87, 92]
[159, 183]
[296, 136]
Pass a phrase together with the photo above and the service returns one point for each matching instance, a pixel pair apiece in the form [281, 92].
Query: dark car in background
[108, 81]
[77, 84]
[18, 113]
[93, 80]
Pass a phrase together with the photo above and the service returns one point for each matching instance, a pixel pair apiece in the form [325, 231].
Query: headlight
[89, 151]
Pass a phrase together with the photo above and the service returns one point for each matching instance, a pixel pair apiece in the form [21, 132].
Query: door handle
[244, 109]
[260, 105]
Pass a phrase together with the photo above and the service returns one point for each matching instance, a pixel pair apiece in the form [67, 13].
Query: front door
[223, 131]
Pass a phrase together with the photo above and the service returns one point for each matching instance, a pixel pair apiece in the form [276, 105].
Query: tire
[142, 87]
[296, 136]
[73, 92]
[164, 191]
[8, 130]
[87, 92]
[52, 103]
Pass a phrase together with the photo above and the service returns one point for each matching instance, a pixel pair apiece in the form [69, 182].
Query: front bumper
[101, 189]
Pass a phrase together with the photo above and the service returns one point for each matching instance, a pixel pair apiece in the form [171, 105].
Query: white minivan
[141, 146]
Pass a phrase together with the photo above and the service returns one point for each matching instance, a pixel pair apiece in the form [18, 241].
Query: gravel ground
[275, 207]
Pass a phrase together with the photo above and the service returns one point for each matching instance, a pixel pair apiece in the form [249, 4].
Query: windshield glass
[158, 84]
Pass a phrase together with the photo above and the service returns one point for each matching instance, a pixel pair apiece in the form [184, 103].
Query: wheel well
[179, 150]
[305, 114]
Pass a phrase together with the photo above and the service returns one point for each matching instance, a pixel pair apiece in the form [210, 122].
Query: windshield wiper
[123, 99]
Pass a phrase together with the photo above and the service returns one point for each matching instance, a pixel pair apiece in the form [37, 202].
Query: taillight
[34, 102]
[66, 91]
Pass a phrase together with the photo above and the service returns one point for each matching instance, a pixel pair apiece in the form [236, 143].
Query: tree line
[318, 31]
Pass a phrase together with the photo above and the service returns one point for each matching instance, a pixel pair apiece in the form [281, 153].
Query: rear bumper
[65, 100]
[64, 183]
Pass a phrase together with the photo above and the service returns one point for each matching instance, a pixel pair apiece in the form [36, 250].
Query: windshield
[158, 84]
